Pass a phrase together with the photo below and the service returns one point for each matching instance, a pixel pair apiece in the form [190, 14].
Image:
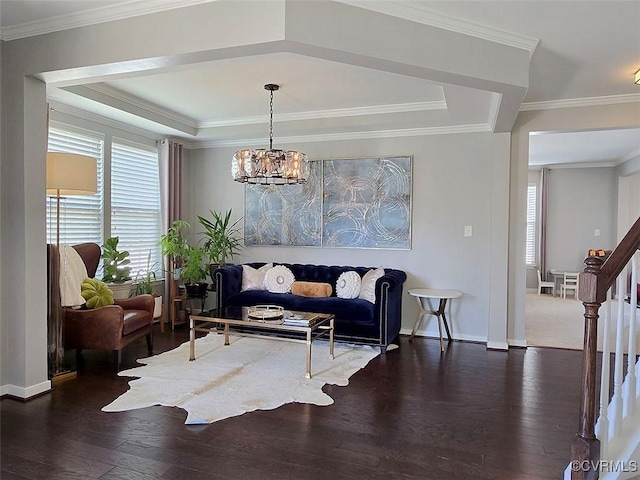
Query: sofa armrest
[99, 328]
[388, 305]
[228, 279]
[139, 302]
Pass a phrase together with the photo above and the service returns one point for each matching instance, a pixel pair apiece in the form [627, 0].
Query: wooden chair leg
[116, 358]
[150, 344]
[79, 358]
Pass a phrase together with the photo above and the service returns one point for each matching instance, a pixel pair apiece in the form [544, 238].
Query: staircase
[607, 444]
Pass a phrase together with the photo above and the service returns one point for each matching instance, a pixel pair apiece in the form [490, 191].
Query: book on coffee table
[301, 319]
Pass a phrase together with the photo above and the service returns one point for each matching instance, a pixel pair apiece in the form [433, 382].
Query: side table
[423, 295]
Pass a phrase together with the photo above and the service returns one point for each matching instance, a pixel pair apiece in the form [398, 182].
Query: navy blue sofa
[357, 320]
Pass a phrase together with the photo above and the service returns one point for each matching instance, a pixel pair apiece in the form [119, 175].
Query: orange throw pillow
[311, 289]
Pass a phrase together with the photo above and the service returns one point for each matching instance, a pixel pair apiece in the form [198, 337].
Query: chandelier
[270, 167]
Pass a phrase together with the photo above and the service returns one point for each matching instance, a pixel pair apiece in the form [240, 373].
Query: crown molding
[630, 156]
[603, 164]
[581, 102]
[418, 13]
[191, 124]
[137, 102]
[329, 137]
[323, 114]
[132, 8]
[95, 118]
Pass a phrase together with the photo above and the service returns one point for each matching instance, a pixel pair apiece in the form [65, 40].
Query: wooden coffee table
[214, 321]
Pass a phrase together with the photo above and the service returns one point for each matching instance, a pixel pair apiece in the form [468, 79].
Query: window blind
[135, 205]
[81, 218]
[530, 248]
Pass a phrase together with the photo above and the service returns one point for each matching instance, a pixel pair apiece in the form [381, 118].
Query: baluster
[602, 426]
[616, 400]
[631, 381]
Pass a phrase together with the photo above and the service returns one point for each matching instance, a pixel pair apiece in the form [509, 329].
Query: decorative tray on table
[266, 313]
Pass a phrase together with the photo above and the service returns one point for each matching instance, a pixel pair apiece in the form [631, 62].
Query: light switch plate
[468, 231]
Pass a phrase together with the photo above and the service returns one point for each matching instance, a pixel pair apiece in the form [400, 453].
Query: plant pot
[120, 290]
[196, 290]
[157, 308]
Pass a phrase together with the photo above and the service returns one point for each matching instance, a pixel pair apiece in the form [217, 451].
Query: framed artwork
[285, 214]
[351, 203]
[367, 203]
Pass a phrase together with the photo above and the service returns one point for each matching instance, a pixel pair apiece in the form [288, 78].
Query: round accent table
[423, 295]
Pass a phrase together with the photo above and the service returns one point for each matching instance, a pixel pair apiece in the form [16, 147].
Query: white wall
[581, 200]
[628, 195]
[576, 209]
[452, 187]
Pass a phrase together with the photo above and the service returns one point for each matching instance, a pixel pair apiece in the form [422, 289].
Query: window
[135, 205]
[81, 218]
[530, 248]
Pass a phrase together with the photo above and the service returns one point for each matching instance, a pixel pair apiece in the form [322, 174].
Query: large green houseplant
[174, 244]
[222, 238]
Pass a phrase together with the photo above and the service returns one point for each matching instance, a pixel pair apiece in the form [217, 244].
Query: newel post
[585, 449]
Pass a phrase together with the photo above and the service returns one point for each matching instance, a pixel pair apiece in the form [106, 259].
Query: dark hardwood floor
[410, 414]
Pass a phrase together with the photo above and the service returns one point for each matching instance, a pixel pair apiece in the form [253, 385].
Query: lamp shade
[71, 174]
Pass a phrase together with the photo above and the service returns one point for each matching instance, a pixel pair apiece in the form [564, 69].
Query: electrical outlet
[468, 231]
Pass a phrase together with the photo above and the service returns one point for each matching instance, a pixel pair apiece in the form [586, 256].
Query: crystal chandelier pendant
[270, 167]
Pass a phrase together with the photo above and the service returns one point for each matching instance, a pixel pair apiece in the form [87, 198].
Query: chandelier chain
[271, 122]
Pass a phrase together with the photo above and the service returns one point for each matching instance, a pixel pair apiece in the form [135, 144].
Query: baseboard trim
[497, 346]
[517, 343]
[25, 393]
[457, 336]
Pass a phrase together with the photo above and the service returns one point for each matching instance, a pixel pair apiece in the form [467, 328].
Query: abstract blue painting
[367, 203]
[285, 214]
[352, 203]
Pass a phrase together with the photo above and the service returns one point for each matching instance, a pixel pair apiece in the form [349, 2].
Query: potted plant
[143, 284]
[114, 268]
[193, 272]
[174, 244]
[222, 238]
[114, 262]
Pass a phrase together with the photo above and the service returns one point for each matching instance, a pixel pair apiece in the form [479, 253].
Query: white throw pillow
[348, 285]
[279, 279]
[253, 278]
[368, 287]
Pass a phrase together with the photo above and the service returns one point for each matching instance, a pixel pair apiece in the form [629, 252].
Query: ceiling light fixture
[636, 79]
[270, 167]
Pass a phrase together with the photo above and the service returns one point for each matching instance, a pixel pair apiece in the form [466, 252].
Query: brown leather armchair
[111, 327]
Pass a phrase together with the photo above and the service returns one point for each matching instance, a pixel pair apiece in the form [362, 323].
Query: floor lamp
[67, 174]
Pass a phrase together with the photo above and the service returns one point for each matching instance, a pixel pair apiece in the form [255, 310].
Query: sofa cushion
[356, 310]
[134, 320]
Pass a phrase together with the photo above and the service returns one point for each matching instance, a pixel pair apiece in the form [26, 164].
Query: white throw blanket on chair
[72, 273]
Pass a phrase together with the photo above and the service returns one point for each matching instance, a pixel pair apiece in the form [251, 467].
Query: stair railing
[594, 289]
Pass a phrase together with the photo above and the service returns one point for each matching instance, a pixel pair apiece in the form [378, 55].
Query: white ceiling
[583, 53]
